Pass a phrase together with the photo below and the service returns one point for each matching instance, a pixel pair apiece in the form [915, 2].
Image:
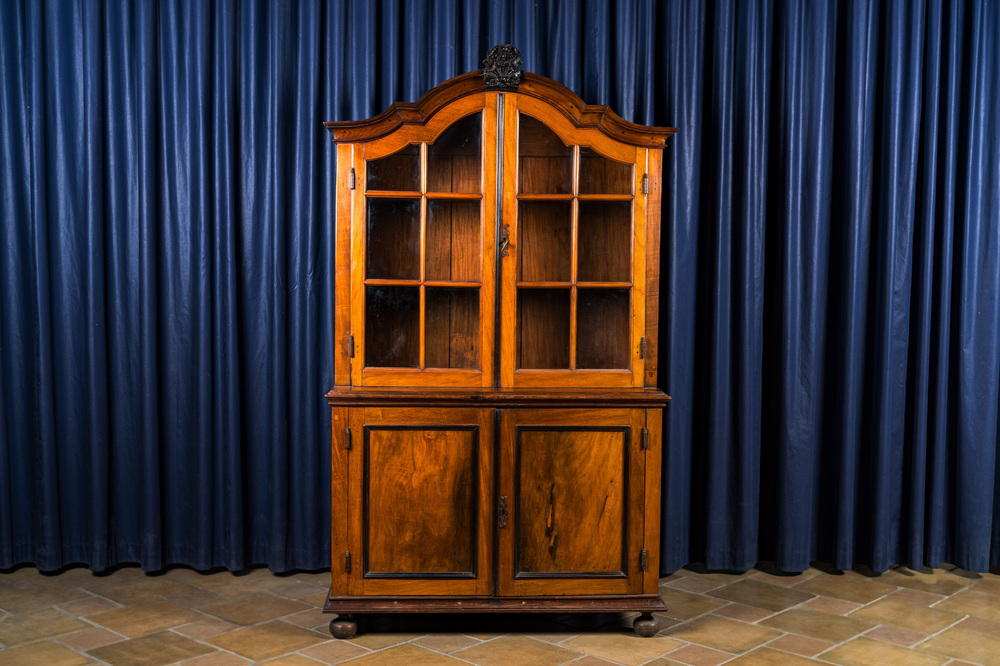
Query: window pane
[545, 162]
[453, 161]
[393, 239]
[392, 327]
[452, 335]
[399, 171]
[543, 328]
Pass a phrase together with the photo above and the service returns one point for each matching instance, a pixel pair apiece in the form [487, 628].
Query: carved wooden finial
[502, 68]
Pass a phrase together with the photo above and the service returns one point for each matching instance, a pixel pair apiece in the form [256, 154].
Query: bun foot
[646, 625]
[344, 626]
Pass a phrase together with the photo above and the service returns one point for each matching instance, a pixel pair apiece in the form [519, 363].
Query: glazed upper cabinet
[494, 243]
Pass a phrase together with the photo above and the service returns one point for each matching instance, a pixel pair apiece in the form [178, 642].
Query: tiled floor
[181, 616]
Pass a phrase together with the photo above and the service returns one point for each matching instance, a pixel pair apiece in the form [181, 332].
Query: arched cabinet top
[553, 93]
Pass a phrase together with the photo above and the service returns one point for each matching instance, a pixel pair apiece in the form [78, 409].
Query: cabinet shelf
[392, 194]
[453, 196]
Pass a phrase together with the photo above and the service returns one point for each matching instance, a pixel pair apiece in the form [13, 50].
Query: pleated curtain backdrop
[830, 326]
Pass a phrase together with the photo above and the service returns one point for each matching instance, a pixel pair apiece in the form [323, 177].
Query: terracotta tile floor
[127, 617]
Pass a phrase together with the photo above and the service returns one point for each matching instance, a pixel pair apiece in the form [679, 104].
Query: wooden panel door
[573, 282]
[423, 267]
[420, 501]
[571, 502]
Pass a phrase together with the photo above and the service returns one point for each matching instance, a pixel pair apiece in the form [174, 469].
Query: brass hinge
[643, 559]
[645, 439]
[502, 513]
[347, 438]
[350, 346]
[642, 348]
[645, 183]
[351, 177]
[347, 561]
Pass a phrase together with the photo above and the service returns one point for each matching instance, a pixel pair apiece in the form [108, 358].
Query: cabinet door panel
[421, 501]
[423, 258]
[571, 488]
[573, 284]
[574, 496]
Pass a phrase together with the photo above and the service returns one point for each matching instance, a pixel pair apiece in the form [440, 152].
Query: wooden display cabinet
[496, 439]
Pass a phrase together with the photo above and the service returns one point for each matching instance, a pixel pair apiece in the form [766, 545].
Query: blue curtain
[831, 266]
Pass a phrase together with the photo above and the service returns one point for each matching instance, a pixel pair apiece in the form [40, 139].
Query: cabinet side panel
[654, 162]
[342, 286]
[654, 456]
[339, 512]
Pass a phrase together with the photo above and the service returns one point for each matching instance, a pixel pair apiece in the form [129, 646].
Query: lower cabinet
[488, 508]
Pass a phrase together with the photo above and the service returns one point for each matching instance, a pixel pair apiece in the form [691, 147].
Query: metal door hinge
[347, 561]
[350, 346]
[642, 348]
[645, 183]
[643, 559]
[351, 178]
[645, 439]
[347, 438]
[502, 513]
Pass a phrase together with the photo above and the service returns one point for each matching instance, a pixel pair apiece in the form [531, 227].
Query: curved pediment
[553, 93]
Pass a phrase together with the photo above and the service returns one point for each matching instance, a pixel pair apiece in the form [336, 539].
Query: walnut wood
[646, 625]
[420, 500]
[570, 496]
[567, 537]
[424, 304]
[348, 396]
[653, 202]
[420, 493]
[452, 328]
[602, 320]
[605, 241]
[454, 160]
[339, 510]
[533, 604]
[343, 627]
[342, 293]
[453, 246]
[543, 334]
[601, 176]
[638, 300]
[564, 100]
[651, 512]
[545, 241]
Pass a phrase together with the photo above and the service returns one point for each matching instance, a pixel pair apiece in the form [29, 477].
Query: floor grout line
[120, 587]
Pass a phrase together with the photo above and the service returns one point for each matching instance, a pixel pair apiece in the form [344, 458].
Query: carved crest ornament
[502, 68]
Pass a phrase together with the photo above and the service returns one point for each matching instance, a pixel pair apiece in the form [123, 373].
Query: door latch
[504, 240]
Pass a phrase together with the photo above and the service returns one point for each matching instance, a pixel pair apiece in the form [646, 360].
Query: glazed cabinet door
[571, 502]
[419, 501]
[423, 258]
[573, 280]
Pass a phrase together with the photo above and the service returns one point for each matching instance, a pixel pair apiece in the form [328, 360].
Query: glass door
[572, 285]
[424, 288]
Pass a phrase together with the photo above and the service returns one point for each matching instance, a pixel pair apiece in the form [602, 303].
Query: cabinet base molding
[577, 604]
